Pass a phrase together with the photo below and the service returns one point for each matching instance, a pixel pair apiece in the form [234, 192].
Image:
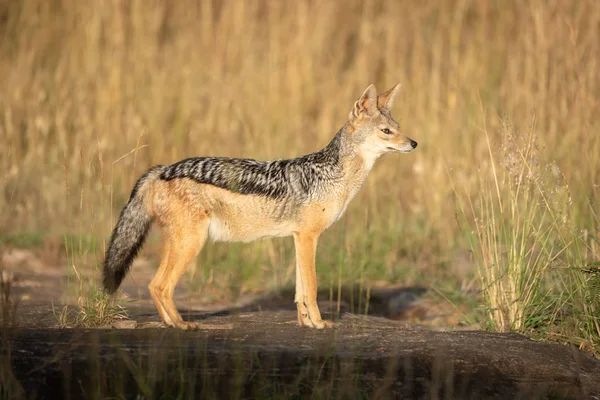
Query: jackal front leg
[306, 301]
[303, 319]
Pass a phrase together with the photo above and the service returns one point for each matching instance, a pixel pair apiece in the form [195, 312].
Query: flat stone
[125, 324]
[151, 325]
[105, 326]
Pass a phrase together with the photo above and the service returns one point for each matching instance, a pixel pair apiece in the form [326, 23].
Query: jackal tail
[129, 234]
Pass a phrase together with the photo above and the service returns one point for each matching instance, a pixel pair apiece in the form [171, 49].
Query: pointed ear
[386, 100]
[367, 104]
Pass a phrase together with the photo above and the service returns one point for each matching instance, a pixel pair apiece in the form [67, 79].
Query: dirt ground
[42, 277]
[255, 349]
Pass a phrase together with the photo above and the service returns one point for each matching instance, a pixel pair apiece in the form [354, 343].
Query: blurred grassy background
[86, 82]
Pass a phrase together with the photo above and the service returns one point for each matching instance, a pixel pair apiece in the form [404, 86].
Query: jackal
[241, 200]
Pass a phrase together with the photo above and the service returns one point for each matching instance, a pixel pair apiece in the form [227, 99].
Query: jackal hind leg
[306, 246]
[184, 239]
[166, 248]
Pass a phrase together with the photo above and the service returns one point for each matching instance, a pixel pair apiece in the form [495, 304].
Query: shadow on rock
[404, 303]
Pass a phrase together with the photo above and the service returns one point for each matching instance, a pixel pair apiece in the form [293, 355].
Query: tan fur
[189, 212]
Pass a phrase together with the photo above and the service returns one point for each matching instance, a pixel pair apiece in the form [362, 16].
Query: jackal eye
[386, 131]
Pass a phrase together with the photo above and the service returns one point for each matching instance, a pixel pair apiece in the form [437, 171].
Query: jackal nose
[413, 144]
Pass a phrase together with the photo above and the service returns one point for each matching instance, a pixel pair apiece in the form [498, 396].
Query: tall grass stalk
[529, 254]
[85, 253]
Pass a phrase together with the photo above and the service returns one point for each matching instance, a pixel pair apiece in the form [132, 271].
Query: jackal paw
[304, 319]
[321, 324]
[187, 325]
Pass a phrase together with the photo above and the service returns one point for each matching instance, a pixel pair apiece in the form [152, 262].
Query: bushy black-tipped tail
[129, 234]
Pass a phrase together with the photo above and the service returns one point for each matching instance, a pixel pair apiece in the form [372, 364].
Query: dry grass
[264, 80]
[84, 83]
[531, 258]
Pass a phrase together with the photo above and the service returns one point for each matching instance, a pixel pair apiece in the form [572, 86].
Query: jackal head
[371, 128]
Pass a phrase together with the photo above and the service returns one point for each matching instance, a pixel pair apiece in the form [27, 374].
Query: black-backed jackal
[241, 200]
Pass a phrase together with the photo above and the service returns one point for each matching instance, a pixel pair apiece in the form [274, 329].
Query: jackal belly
[254, 217]
[224, 230]
[249, 220]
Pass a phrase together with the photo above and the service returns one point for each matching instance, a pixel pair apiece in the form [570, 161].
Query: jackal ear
[386, 99]
[367, 104]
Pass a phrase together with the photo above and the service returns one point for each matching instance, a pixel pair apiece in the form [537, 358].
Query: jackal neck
[356, 165]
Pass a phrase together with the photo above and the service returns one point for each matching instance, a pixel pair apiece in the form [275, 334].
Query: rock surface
[265, 354]
[124, 324]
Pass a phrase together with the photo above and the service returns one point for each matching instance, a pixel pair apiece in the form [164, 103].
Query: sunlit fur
[241, 200]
